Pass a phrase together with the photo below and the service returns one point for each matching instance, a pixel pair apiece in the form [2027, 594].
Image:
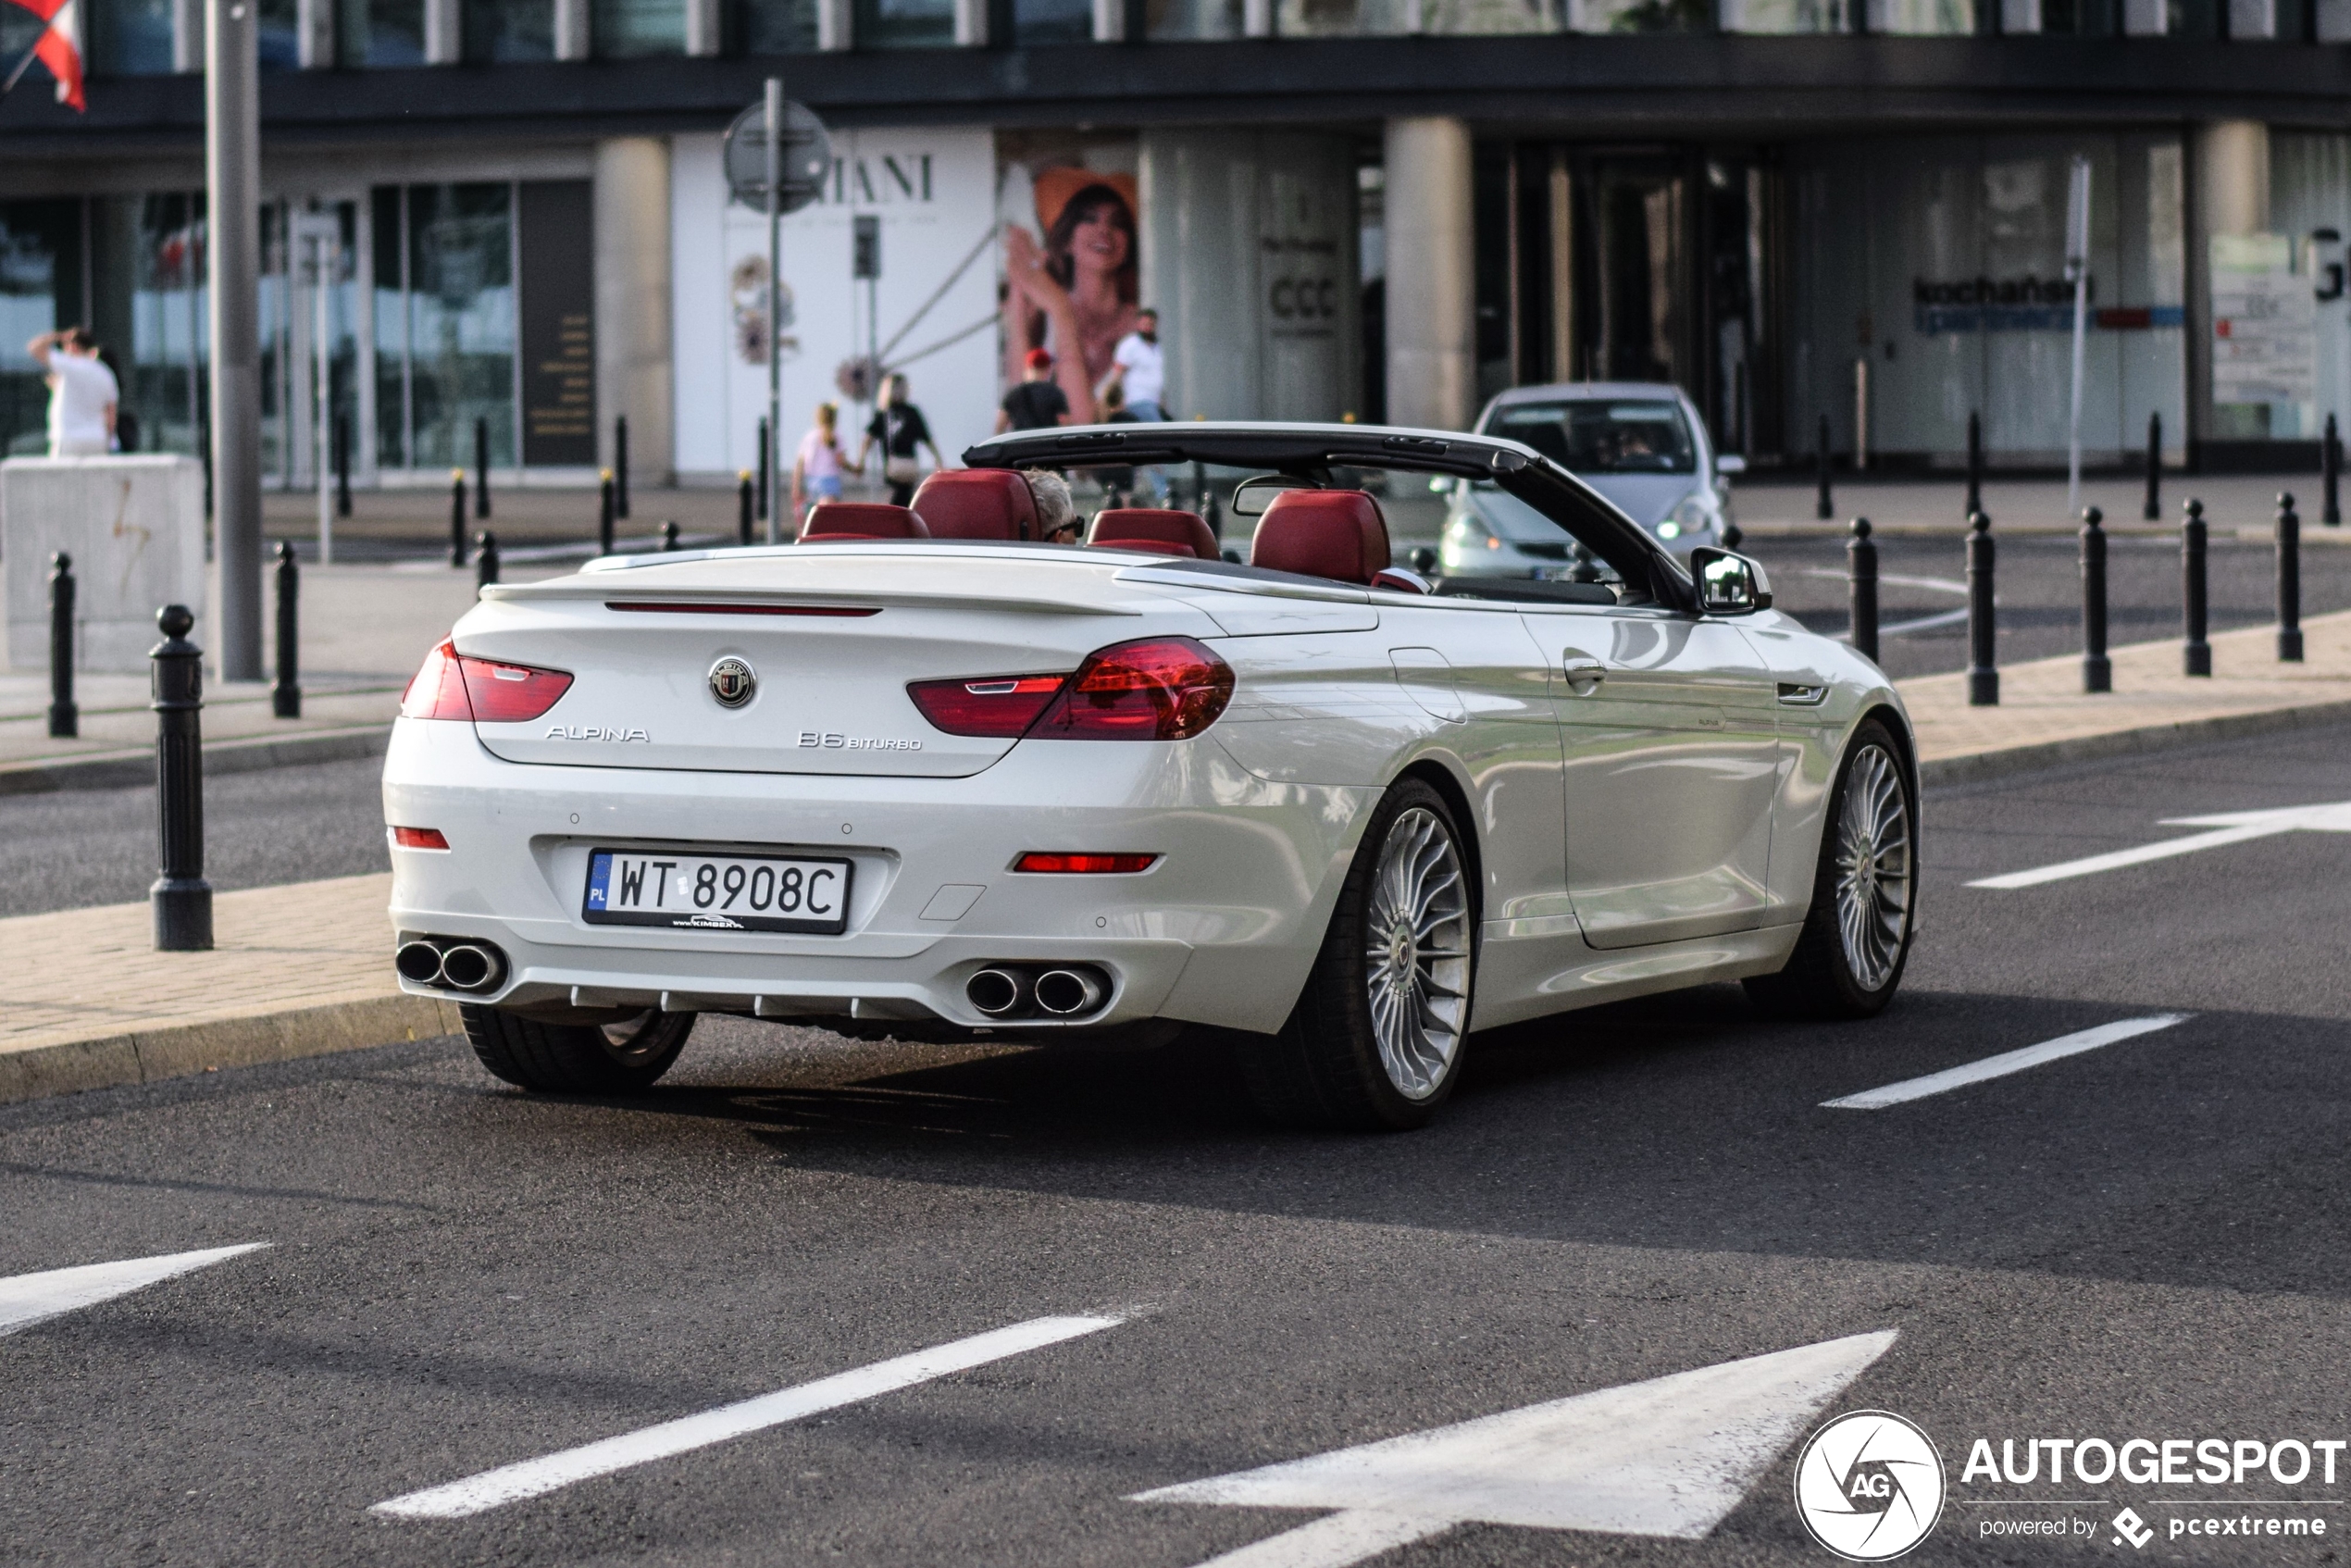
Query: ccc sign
[1304, 299]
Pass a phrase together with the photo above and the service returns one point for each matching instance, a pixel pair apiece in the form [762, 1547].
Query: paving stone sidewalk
[306, 969]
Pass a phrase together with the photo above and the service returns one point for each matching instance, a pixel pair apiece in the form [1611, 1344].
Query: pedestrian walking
[816, 468]
[1137, 372]
[83, 394]
[1037, 404]
[900, 430]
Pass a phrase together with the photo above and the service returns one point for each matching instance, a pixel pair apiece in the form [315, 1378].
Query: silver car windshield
[1602, 435]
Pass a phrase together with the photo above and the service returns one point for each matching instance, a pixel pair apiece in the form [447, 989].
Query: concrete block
[135, 527]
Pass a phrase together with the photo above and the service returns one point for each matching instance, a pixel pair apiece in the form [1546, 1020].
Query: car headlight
[1690, 514]
[1471, 532]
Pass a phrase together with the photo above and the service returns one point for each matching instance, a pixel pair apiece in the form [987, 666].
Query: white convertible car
[918, 776]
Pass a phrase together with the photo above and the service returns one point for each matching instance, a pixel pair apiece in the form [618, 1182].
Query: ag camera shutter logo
[1868, 1486]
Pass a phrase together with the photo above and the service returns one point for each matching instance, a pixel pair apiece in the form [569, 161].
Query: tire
[1375, 1043]
[623, 1058]
[1838, 971]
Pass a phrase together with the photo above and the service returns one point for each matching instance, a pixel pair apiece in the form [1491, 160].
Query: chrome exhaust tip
[471, 967]
[1065, 994]
[998, 992]
[418, 962]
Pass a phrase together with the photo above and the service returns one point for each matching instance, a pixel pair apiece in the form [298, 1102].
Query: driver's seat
[1326, 533]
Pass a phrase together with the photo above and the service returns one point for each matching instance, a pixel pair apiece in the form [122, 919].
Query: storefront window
[2077, 18]
[460, 314]
[1639, 16]
[1785, 16]
[1052, 21]
[1173, 20]
[129, 37]
[1923, 19]
[627, 29]
[1492, 16]
[380, 32]
[277, 35]
[905, 24]
[39, 291]
[500, 31]
[777, 27]
[148, 307]
[1339, 19]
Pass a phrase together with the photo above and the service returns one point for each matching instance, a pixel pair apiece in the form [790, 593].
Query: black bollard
[766, 456]
[670, 536]
[620, 466]
[1974, 464]
[1982, 675]
[742, 508]
[285, 695]
[482, 468]
[1733, 537]
[2097, 670]
[1825, 507]
[1860, 586]
[603, 516]
[2197, 659]
[2331, 469]
[181, 898]
[2154, 513]
[485, 558]
[456, 517]
[342, 464]
[2289, 582]
[65, 714]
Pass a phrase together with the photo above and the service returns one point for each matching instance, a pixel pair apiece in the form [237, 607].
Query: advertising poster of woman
[1072, 281]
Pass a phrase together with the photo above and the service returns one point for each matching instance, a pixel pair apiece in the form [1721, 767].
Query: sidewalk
[306, 970]
[2234, 504]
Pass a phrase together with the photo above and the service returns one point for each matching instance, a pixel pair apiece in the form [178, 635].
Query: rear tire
[1375, 1043]
[1856, 940]
[622, 1058]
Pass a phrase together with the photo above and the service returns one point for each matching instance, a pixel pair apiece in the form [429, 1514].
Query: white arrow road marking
[1671, 1457]
[2005, 1063]
[28, 1298]
[532, 1478]
[2228, 827]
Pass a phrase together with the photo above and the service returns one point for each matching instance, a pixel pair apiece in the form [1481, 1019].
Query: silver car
[1641, 444]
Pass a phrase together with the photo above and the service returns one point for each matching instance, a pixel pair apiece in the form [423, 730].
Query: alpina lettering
[594, 732]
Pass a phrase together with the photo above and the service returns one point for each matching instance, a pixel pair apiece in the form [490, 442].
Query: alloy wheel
[1874, 868]
[1417, 947]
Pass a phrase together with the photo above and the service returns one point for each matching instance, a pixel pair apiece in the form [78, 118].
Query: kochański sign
[2263, 323]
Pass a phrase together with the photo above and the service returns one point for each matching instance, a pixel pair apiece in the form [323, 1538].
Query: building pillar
[444, 32]
[702, 28]
[633, 364]
[2228, 181]
[187, 36]
[971, 24]
[572, 42]
[1432, 256]
[315, 34]
[836, 26]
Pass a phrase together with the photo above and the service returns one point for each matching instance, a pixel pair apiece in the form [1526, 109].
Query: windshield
[1601, 435]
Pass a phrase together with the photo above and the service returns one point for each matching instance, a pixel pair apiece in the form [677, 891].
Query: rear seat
[977, 504]
[1327, 534]
[1159, 529]
[861, 520]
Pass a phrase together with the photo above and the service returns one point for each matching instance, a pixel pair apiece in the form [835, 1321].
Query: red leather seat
[1160, 529]
[861, 520]
[992, 504]
[1329, 533]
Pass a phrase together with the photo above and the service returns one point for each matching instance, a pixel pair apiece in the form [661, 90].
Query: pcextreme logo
[1868, 1486]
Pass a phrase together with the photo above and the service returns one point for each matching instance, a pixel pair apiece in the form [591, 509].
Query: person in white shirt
[82, 393]
[1138, 370]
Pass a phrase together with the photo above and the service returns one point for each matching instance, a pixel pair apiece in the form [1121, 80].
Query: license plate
[717, 892]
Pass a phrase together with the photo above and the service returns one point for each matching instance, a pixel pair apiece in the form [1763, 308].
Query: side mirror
[1729, 584]
[1730, 463]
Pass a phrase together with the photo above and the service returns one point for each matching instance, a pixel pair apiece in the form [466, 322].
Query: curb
[129, 768]
[145, 1056]
[1975, 768]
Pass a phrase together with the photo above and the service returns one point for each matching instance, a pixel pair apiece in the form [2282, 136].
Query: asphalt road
[2143, 1240]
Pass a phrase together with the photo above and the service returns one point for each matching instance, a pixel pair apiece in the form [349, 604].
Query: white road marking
[534, 1478]
[2005, 1063]
[2228, 827]
[1669, 1457]
[28, 1298]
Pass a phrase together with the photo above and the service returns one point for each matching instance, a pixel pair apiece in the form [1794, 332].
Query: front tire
[1374, 1042]
[1856, 940]
[620, 1058]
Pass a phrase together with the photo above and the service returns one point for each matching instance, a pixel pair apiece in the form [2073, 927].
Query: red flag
[60, 46]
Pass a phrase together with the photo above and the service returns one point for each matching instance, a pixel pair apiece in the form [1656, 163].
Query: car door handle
[1582, 672]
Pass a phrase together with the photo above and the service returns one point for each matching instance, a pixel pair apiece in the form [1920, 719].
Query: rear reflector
[453, 686]
[999, 707]
[689, 607]
[1054, 860]
[419, 838]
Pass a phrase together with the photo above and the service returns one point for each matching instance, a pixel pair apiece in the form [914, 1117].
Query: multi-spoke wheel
[1375, 1038]
[1857, 935]
[617, 1057]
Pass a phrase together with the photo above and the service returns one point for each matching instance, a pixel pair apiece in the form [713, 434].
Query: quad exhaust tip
[999, 993]
[1060, 991]
[1067, 994]
[448, 962]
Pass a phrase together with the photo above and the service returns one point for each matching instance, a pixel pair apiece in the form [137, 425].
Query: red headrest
[1151, 528]
[976, 504]
[862, 520]
[1332, 533]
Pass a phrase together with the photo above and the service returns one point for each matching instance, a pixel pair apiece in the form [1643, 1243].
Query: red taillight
[451, 685]
[1159, 689]
[1125, 864]
[1001, 706]
[419, 838]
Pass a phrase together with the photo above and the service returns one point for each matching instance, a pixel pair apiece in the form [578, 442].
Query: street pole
[771, 461]
[2077, 267]
[233, 183]
[323, 257]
